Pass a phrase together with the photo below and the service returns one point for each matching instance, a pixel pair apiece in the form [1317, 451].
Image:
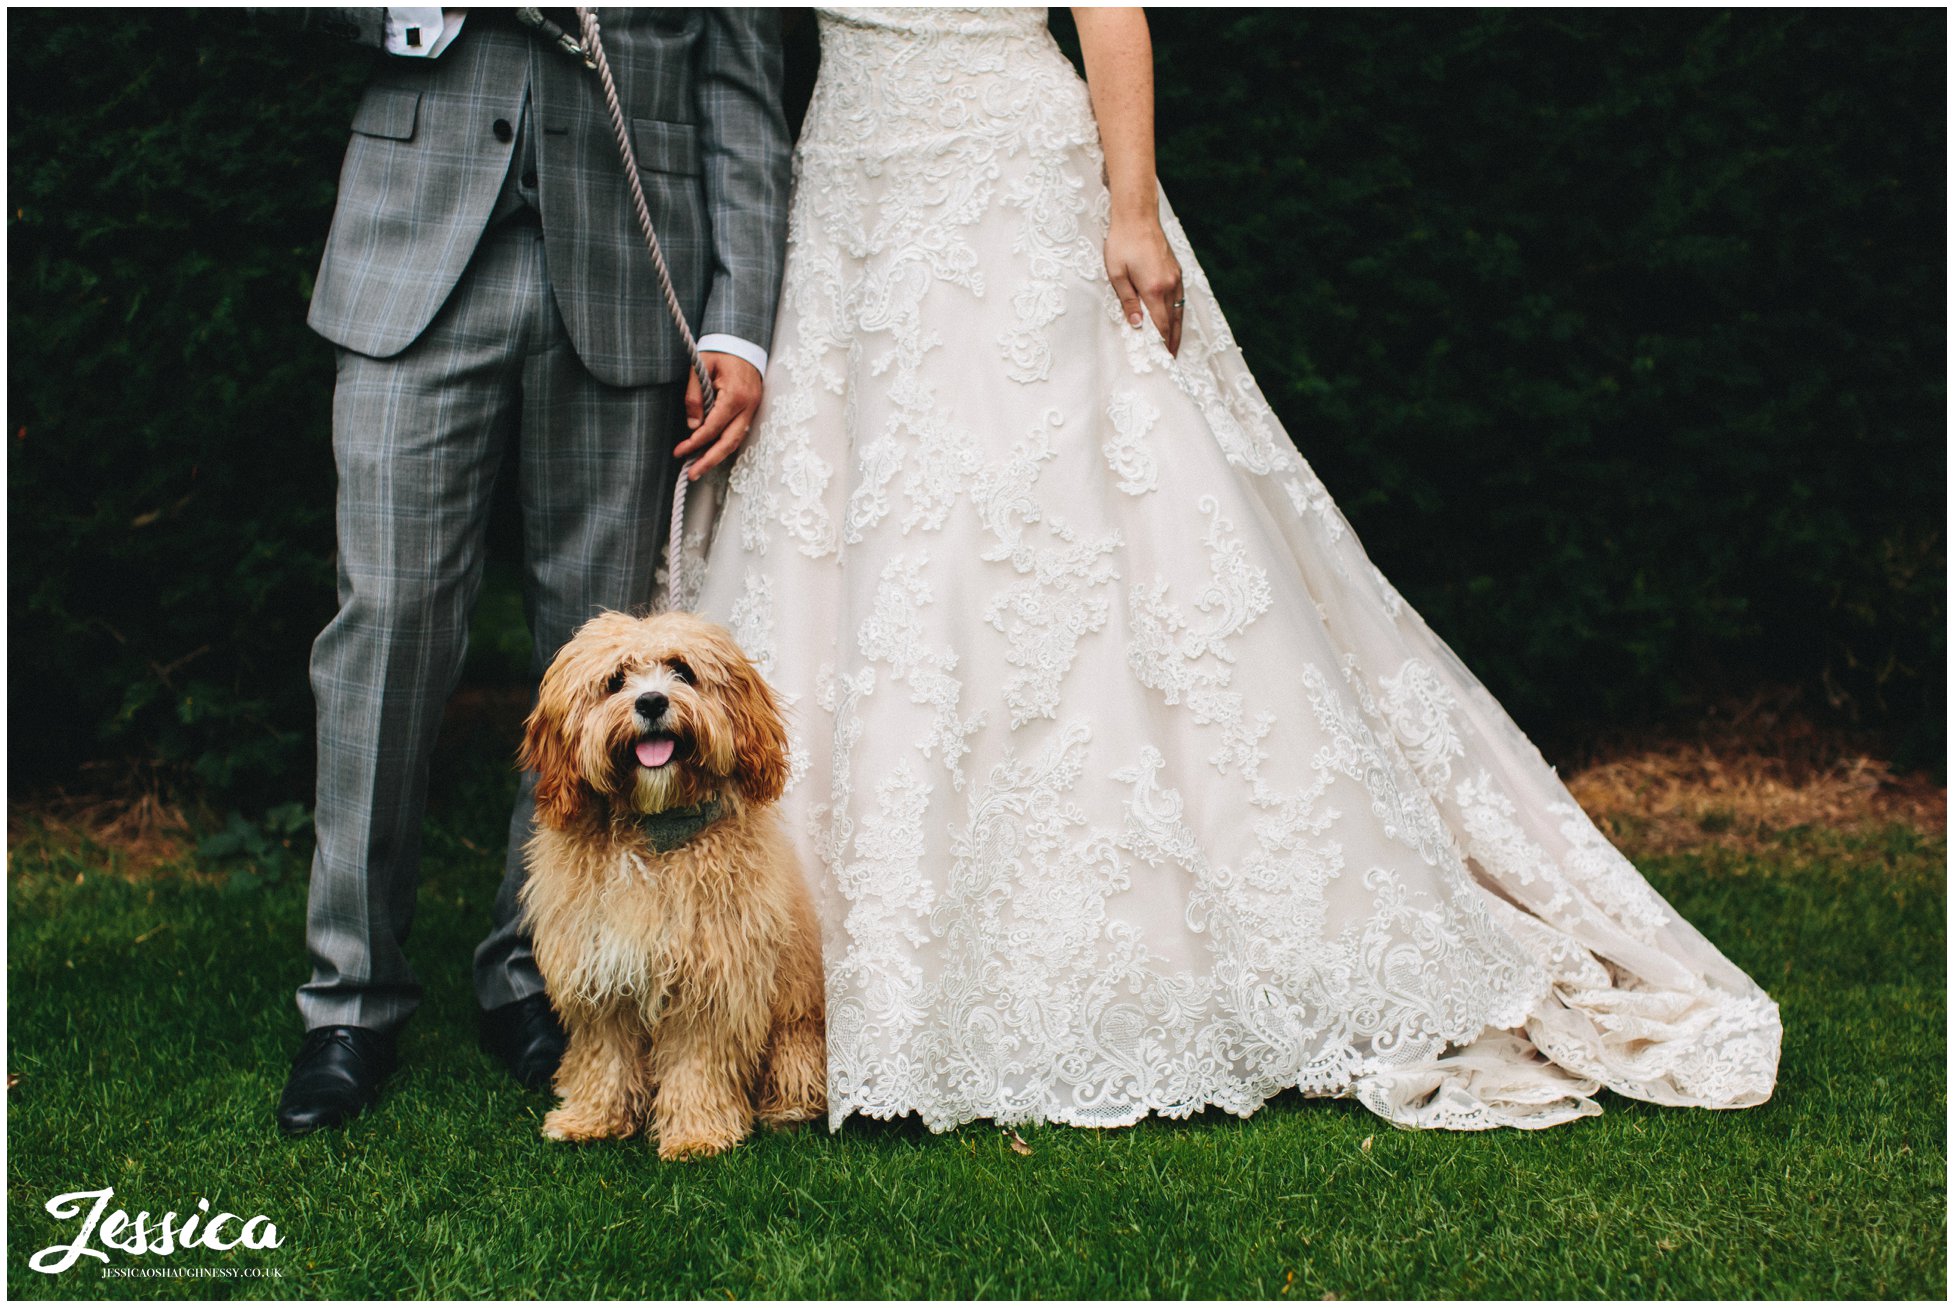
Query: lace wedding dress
[1126, 784]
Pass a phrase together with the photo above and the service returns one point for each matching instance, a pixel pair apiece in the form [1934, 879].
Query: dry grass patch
[1750, 773]
[137, 836]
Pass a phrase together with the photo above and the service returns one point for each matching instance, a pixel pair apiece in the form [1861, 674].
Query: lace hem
[1534, 1074]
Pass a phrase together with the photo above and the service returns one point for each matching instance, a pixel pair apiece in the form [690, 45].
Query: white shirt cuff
[721, 343]
[420, 33]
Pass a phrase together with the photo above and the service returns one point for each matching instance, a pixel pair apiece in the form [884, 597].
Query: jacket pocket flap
[388, 111]
[665, 147]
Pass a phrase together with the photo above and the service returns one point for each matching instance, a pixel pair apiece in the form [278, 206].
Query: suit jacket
[432, 144]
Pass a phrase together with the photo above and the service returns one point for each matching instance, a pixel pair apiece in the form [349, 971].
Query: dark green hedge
[1618, 334]
[170, 472]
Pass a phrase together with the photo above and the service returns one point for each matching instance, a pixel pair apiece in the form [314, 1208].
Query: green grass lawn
[151, 1024]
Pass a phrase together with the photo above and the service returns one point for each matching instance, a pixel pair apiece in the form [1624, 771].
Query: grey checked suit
[488, 288]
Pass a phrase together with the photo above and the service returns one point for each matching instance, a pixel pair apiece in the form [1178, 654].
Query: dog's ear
[561, 796]
[759, 736]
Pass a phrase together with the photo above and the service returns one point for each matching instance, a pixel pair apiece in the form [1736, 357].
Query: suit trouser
[418, 439]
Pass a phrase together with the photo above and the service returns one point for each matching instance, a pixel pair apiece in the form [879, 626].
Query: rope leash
[593, 53]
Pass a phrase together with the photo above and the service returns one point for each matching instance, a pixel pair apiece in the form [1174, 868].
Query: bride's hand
[1144, 271]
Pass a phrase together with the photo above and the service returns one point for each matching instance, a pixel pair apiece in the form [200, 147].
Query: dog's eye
[615, 684]
[683, 671]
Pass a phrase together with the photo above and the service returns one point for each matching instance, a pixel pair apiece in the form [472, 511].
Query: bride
[1126, 783]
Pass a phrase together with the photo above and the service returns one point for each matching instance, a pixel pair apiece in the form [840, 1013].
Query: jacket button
[503, 132]
[529, 180]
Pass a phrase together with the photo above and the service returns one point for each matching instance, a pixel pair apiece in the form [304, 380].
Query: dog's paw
[790, 1115]
[794, 1085]
[572, 1126]
[677, 1148]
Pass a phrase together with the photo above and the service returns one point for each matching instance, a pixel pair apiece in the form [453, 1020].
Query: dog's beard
[678, 781]
[656, 789]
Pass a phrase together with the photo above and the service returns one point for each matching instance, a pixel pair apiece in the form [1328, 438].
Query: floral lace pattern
[1125, 783]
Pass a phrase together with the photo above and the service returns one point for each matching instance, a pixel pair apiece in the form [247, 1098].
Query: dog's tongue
[656, 752]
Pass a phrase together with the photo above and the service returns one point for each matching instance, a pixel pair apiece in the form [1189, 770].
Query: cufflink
[413, 38]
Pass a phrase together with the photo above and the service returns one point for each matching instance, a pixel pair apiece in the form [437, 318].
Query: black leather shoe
[335, 1076]
[527, 1038]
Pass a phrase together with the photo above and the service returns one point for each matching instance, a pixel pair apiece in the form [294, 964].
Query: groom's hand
[737, 386]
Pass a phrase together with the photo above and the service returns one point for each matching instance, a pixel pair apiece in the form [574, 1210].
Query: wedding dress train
[1125, 783]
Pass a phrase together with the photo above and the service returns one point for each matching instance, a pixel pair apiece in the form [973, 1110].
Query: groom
[487, 286]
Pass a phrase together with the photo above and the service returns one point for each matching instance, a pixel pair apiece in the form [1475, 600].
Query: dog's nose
[651, 705]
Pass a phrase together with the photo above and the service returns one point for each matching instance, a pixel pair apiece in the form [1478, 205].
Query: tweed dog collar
[666, 831]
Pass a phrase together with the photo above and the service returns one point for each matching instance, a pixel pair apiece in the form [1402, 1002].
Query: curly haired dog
[669, 917]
